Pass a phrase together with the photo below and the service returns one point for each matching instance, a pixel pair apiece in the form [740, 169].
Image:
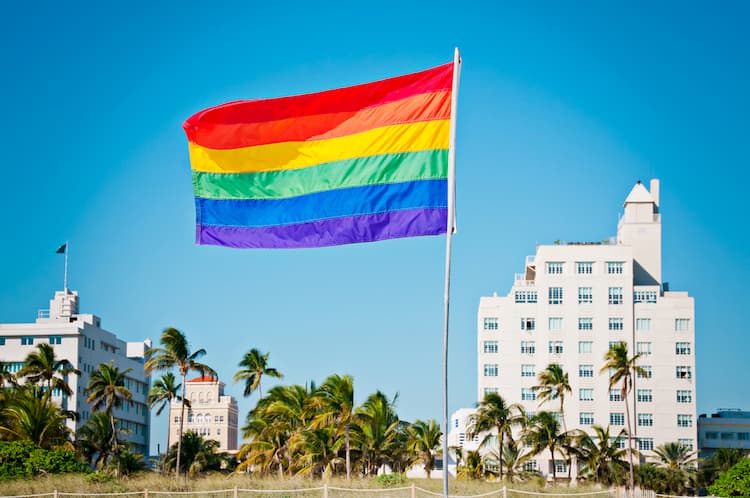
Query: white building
[80, 339]
[212, 414]
[572, 302]
[727, 428]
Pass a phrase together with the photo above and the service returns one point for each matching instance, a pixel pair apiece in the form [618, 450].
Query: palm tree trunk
[630, 439]
[117, 448]
[182, 421]
[348, 461]
[554, 465]
[500, 439]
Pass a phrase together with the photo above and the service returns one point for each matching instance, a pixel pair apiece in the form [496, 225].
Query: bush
[23, 459]
[733, 482]
[387, 480]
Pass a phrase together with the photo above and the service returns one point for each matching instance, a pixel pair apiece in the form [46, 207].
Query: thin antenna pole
[65, 275]
[451, 228]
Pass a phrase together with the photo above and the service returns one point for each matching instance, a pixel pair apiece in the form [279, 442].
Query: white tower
[640, 228]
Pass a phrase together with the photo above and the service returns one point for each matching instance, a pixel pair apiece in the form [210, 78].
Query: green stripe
[372, 170]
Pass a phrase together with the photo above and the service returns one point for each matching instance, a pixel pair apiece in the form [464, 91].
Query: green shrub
[23, 459]
[387, 480]
[733, 482]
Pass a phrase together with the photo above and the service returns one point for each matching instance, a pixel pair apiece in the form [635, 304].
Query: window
[615, 324]
[490, 346]
[686, 443]
[684, 396]
[527, 394]
[584, 347]
[644, 297]
[643, 324]
[490, 323]
[646, 373]
[585, 323]
[27, 340]
[554, 268]
[683, 372]
[490, 369]
[684, 420]
[190, 417]
[586, 394]
[585, 370]
[529, 466]
[645, 420]
[712, 435]
[618, 442]
[725, 436]
[489, 390]
[528, 371]
[584, 268]
[743, 436]
[555, 323]
[614, 343]
[682, 348]
[55, 339]
[615, 267]
[615, 395]
[555, 347]
[525, 296]
[646, 444]
[616, 418]
[643, 348]
[528, 323]
[681, 324]
[560, 467]
[585, 296]
[555, 295]
[2, 341]
[528, 347]
[586, 418]
[615, 295]
[645, 395]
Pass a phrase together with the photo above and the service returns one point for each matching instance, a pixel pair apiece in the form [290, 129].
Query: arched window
[190, 417]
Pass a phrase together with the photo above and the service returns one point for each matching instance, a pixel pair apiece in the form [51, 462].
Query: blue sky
[562, 108]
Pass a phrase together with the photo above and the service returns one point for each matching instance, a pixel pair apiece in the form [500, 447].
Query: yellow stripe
[428, 135]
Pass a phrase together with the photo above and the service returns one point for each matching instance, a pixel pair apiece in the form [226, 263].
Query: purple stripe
[330, 232]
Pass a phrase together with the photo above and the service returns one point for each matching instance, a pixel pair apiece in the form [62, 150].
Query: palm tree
[254, 366]
[6, 376]
[107, 391]
[553, 384]
[29, 415]
[175, 353]
[335, 398]
[494, 413]
[678, 460]
[198, 454]
[424, 439]
[513, 459]
[164, 391]
[96, 439]
[471, 468]
[544, 433]
[601, 456]
[378, 432]
[622, 369]
[42, 366]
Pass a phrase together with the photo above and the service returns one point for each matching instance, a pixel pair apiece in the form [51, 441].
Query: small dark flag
[61, 249]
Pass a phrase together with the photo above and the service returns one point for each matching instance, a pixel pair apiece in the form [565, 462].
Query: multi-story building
[212, 414]
[81, 340]
[727, 428]
[570, 305]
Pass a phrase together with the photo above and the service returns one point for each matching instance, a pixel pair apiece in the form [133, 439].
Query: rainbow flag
[356, 164]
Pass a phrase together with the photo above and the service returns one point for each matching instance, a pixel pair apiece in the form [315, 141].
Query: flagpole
[65, 275]
[448, 239]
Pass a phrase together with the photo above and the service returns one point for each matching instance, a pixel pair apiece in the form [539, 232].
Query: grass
[84, 485]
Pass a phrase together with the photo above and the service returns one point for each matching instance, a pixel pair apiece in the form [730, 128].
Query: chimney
[655, 193]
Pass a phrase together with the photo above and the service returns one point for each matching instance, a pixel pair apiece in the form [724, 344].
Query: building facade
[212, 414]
[80, 339]
[571, 303]
[727, 428]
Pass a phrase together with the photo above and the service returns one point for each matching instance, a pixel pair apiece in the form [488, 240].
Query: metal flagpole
[65, 275]
[448, 238]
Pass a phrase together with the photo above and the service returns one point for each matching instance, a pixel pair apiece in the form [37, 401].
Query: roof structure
[639, 194]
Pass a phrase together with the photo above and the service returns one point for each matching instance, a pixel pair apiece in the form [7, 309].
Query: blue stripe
[354, 201]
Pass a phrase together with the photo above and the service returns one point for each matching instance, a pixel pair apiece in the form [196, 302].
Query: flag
[355, 164]
[62, 249]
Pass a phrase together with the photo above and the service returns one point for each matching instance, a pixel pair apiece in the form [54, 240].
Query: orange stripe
[423, 107]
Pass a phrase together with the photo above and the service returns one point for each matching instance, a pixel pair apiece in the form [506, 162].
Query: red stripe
[341, 100]
[418, 108]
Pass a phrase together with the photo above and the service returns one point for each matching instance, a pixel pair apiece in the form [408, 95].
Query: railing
[530, 260]
[42, 314]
